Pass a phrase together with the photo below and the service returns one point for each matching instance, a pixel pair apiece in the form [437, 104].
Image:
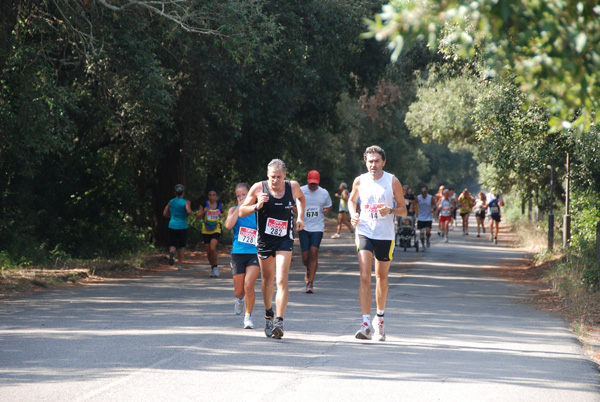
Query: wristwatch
[391, 210]
[256, 207]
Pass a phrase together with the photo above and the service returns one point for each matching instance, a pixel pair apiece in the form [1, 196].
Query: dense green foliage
[105, 106]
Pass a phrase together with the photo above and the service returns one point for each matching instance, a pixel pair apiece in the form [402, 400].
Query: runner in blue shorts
[318, 204]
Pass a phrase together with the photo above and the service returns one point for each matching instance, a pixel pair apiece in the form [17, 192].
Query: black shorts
[239, 263]
[270, 249]
[177, 238]
[382, 249]
[480, 215]
[208, 237]
[495, 217]
[309, 239]
[462, 215]
[423, 224]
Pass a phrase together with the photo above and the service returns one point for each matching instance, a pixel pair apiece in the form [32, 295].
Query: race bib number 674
[275, 227]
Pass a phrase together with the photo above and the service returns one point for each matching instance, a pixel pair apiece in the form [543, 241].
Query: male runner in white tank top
[381, 198]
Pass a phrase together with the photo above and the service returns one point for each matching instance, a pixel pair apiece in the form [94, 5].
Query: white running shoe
[248, 324]
[379, 328]
[336, 236]
[445, 239]
[238, 307]
[365, 331]
[214, 272]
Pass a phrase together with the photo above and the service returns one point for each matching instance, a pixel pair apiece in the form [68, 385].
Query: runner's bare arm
[300, 203]
[251, 201]
[188, 208]
[352, 200]
[166, 212]
[232, 217]
[400, 208]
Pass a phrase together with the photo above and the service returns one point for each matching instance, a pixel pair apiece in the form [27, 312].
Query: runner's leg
[249, 282]
[282, 261]
[365, 262]
[267, 270]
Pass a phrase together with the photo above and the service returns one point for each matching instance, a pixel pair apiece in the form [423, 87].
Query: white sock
[380, 313]
[366, 317]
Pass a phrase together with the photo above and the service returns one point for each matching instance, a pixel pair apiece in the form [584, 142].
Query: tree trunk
[169, 172]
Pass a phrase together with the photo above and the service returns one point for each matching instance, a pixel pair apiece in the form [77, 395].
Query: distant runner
[211, 229]
[342, 218]
[318, 205]
[177, 210]
[425, 208]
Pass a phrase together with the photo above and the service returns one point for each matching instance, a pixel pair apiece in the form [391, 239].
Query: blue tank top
[178, 214]
[244, 235]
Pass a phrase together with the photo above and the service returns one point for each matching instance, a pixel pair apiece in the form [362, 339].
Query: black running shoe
[171, 258]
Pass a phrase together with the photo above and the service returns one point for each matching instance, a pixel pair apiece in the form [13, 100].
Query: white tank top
[373, 195]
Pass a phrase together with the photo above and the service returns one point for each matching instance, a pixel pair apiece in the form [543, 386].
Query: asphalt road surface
[454, 333]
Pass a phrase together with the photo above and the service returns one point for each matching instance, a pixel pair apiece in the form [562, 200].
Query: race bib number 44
[372, 211]
[312, 212]
[275, 227]
[247, 235]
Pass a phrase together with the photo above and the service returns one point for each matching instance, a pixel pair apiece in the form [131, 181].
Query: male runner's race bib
[372, 211]
[275, 227]
[312, 212]
[247, 235]
[213, 215]
[495, 210]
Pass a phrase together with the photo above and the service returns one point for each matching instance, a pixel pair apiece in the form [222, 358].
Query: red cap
[314, 177]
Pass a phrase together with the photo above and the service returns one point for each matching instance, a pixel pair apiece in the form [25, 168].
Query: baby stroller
[406, 235]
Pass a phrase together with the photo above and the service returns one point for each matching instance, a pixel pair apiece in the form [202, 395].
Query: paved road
[455, 333]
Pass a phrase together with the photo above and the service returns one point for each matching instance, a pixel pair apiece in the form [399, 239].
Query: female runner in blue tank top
[177, 210]
[244, 260]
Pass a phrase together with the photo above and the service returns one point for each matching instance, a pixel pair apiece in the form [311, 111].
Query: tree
[550, 45]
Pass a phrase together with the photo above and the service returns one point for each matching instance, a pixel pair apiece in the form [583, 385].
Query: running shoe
[365, 331]
[214, 272]
[309, 288]
[248, 324]
[445, 239]
[179, 267]
[336, 236]
[491, 237]
[379, 328]
[269, 326]
[478, 235]
[171, 258]
[428, 243]
[306, 276]
[495, 240]
[277, 329]
[238, 307]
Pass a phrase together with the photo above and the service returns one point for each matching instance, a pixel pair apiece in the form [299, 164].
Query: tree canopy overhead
[552, 46]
